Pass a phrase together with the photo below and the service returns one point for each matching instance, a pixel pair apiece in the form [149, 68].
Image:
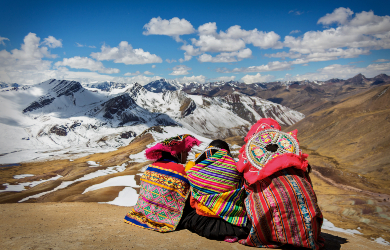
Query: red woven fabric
[283, 209]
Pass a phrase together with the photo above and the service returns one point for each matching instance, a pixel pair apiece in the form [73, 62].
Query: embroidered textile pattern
[216, 183]
[161, 200]
[175, 140]
[159, 178]
[283, 210]
[268, 144]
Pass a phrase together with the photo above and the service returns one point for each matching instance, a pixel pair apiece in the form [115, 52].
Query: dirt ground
[90, 225]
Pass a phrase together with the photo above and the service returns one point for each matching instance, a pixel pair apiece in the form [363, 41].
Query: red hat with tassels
[173, 145]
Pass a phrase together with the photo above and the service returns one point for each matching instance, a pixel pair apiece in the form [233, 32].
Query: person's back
[217, 195]
[164, 186]
[281, 201]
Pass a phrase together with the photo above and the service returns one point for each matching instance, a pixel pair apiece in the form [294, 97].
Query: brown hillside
[350, 141]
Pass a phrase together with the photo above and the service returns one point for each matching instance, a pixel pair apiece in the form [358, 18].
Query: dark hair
[308, 168]
[167, 156]
[216, 143]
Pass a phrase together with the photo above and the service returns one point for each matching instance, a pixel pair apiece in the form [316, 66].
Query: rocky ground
[90, 225]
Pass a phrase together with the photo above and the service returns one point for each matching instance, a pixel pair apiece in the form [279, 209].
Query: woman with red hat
[281, 201]
[164, 186]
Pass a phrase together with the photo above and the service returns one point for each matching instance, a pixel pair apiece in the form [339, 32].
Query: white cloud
[153, 66]
[345, 71]
[226, 56]
[141, 79]
[125, 53]
[170, 61]
[381, 60]
[248, 79]
[365, 30]
[82, 45]
[339, 15]
[88, 77]
[190, 51]
[148, 73]
[52, 42]
[295, 31]
[2, 39]
[78, 62]
[261, 39]
[173, 27]
[284, 55]
[223, 78]
[271, 66]
[26, 64]
[331, 54]
[233, 39]
[180, 70]
[208, 29]
[296, 12]
[132, 74]
[209, 43]
[231, 44]
[185, 79]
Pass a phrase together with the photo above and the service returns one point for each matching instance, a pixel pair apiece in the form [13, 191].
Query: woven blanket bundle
[283, 210]
[161, 200]
[216, 184]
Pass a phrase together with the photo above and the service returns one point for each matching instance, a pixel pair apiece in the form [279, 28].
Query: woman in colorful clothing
[281, 202]
[217, 196]
[164, 186]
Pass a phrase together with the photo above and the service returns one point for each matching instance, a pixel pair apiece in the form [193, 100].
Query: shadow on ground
[332, 242]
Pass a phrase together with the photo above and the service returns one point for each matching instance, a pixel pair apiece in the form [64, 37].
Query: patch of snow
[127, 197]
[93, 164]
[22, 186]
[330, 226]
[381, 241]
[64, 184]
[21, 176]
[140, 157]
[143, 169]
[198, 99]
[126, 181]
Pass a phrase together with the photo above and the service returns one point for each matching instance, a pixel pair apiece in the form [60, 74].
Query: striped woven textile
[283, 209]
[162, 198]
[216, 184]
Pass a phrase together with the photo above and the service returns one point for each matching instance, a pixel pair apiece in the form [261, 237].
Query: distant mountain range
[304, 96]
[64, 114]
[58, 114]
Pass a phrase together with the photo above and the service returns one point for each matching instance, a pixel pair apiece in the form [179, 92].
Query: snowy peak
[107, 86]
[162, 85]
[136, 90]
[66, 88]
[63, 97]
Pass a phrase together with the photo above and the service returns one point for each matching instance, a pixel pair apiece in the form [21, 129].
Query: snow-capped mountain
[106, 86]
[8, 85]
[60, 114]
[161, 85]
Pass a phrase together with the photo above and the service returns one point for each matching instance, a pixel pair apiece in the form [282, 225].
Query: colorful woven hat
[268, 150]
[268, 144]
[263, 123]
[173, 145]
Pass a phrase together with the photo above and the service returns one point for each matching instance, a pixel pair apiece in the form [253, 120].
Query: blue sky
[141, 41]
